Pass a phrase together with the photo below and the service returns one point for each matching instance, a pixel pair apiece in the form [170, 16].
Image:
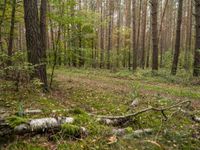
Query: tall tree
[33, 40]
[178, 36]
[154, 15]
[118, 32]
[197, 45]
[111, 7]
[1, 23]
[11, 35]
[43, 31]
[134, 37]
[102, 38]
[143, 34]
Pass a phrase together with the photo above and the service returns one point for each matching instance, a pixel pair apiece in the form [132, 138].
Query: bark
[144, 35]
[178, 36]
[43, 31]
[118, 32]
[37, 126]
[138, 31]
[33, 40]
[11, 36]
[196, 72]
[154, 15]
[134, 37]
[102, 39]
[1, 23]
[109, 34]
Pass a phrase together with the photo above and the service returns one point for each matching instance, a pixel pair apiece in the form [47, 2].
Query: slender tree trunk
[134, 37]
[128, 37]
[154, 15]
[1, 23]
[118, 32]
[196, 72]
[178, 36]
[144, 35]
[43, 31]
[109, 34]
[11, 36]
[102, 38]
[138, 31]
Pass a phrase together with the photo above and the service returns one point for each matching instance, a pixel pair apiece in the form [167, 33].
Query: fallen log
[37, 126]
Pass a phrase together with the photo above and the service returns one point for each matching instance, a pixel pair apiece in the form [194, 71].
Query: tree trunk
[109, 34]
[118, 32]
[178, 35]
[11, 36]
[144, 35]
[1, 23]
[154, 15]
[43, 31]
[134, 37]
[196, 72]
[33, 40]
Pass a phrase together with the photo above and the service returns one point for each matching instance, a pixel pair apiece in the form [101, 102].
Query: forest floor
[102, 92]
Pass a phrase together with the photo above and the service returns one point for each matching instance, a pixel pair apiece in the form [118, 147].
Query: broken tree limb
[162, 110]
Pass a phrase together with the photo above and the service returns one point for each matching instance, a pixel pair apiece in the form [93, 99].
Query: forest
[99, 74]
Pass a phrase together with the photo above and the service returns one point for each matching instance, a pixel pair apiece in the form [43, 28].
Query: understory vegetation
[78, 93]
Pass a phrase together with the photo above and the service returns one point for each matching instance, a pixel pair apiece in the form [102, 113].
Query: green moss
[14, 121]
[82, 119]
[129, 130]
[24, 146]
[70, 130]
[77, 111]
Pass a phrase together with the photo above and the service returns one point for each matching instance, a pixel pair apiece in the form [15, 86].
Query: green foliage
[14, 121]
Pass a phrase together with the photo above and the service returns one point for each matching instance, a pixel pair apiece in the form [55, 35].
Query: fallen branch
[162, 110]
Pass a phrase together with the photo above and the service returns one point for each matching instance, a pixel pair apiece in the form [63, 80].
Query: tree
[196, 72]
[178, 36]
[33, 41]
[118, 32]
[144, 35]
[102, 38]
[111, 7]
[43, 31]
[134, 37]
[1, 22]
[11, 35]
[154, 15]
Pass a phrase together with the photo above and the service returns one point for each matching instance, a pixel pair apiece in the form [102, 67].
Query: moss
[14, 121]
[24, 146]
[82, 119]
[70, 130]
[129, 130]
[77, 111]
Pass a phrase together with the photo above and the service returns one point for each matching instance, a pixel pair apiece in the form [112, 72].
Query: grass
[106, 93]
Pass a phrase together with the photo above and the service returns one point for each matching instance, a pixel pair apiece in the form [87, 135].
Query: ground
[101, 92]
